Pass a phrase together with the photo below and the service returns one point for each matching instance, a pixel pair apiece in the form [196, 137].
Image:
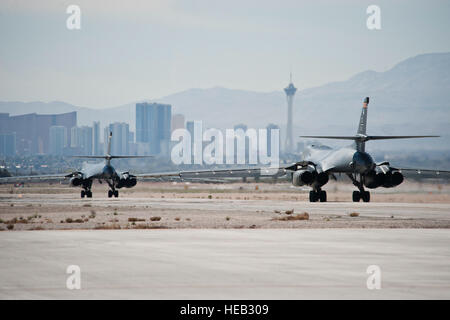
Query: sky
[134, 50]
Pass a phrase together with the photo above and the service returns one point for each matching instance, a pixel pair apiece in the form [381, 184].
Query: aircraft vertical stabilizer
[362, 127]
[361, 137]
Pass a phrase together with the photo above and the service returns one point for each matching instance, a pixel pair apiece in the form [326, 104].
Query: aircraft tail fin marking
[362, 127]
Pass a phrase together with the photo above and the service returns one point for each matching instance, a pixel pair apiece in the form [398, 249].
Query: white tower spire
[290, 92]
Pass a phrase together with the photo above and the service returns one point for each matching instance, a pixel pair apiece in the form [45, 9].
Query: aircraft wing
[367, 138]
[419, 171]
[219, 173]
[57, 176]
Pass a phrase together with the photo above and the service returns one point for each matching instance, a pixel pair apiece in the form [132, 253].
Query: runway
[226, 264]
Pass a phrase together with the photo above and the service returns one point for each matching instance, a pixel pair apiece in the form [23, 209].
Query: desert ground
[167, 205]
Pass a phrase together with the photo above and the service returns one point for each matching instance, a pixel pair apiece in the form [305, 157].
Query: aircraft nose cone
[363, 162]
[108, 171]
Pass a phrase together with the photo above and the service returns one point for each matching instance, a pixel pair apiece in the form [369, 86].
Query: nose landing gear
[86, 193]
[317, 195]
[361, 194]
[114, 193]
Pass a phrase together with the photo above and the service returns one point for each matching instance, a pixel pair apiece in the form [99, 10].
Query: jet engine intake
[75, 181]
[392, 179]
[374, 180]
[322, 178]
[126, 182]
[302, 177]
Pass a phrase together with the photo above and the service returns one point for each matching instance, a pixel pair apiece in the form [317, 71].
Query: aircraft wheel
[89, 194]
[356, 196]
[365, 196]
[83, 193]
[110, 193]
[116, 193]
[313, 196]
[323, 196]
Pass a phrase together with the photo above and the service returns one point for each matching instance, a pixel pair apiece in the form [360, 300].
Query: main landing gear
[113, 191]
[361, 194]
[317, 195]
[86, 193]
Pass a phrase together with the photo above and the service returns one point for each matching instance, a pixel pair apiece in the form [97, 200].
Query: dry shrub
[149, 226]
[15, 220]
[155, 218]
[289, 211]
[10, 226]
[177, 219]
[38, 228]
[354, 214]
[300, 216]
[108, 227]
[135, 219]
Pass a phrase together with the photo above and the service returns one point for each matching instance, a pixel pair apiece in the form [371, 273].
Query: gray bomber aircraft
[84, 178]
[324, 162]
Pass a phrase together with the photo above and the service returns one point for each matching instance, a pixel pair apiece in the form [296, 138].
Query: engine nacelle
[131, 182]
[126, 182]
[302, 177]
[397, 178]
[75, 182]
[392, 179]
[322, 178]
[374, 180]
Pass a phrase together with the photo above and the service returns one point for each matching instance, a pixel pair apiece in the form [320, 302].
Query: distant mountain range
[413, 97]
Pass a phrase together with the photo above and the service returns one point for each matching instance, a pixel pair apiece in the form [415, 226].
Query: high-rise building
[244, 128]
[190, 128]
[269, 129]
[120, 138]
[33, 130]
[8, 144]
[82, 139]
[177, 122]
[86, 140]
[153, 126]
[58, 140]
[193, 127]
[290, 92]
[96, 148]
